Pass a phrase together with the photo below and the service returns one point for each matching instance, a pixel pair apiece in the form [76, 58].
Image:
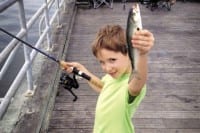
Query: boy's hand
[94, 81]
[68, 66]
[143, 40]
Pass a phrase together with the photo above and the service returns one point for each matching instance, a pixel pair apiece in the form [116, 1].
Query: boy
[120, 91]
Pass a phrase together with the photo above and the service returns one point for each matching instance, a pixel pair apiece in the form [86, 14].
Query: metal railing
[8, 53]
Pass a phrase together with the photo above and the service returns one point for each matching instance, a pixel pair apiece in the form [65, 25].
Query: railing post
[47, 25]
[29, 54]
[58, 15]
[26, 49]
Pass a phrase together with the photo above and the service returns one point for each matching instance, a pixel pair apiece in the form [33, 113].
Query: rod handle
[64, 66]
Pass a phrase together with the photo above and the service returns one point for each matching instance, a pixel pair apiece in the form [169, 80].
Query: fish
[134, 22]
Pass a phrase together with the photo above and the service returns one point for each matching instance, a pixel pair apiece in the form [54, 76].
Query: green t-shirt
[113, 113]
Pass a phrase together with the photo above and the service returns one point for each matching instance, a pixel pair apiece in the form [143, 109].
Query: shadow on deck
[172, 104]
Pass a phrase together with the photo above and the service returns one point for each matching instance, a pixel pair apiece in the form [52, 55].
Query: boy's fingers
[144, 38]
[145, 42]
[63, 64]
[141, 38]
[143, 50]
[144, 34]
[66, 66]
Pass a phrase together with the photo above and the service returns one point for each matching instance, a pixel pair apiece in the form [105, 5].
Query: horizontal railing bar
[42, 36]
[22, 33]
[5, 4]
[19, 77]
[56, 13]
[33, 19]
[8, 61]
[13, 88]
[13, 45]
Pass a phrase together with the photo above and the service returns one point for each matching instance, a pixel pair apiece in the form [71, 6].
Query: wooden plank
[173, 67]
[168, 123]
[155, 130]
[172, 98]
[175, 57]
[70, 130]
[79, 114]
[138, 130]
[168, 114]
[164, 89]
[168, 89]
[144, 106]
[75, 123]
[174, 78]
[87, 99]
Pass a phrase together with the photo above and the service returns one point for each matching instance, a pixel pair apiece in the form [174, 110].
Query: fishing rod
[27, 44]
[61, 63]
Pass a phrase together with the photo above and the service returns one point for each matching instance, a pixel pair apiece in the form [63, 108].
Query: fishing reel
[68, 83]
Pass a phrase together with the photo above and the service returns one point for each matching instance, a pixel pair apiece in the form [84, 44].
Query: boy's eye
[101, 62]
[111, 60]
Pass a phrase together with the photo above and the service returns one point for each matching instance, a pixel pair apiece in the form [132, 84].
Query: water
[10, 22]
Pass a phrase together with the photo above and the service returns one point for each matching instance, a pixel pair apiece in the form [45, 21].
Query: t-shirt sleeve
[133, 106]
[104, 78]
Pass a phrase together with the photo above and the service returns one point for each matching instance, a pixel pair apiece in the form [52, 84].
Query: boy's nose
[108, 68]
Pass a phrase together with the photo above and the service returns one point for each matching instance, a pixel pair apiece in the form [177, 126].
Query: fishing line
[38, 50]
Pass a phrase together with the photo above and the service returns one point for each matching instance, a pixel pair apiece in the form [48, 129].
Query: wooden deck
[172, 104]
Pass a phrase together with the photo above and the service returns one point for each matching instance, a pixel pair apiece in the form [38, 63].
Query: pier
[172, 103]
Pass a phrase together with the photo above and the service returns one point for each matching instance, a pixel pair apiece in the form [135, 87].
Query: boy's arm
[139, 77]
[143, 41]
[94, 81]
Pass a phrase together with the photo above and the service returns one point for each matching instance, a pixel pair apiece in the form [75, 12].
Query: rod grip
[64, 66]
[80, 73]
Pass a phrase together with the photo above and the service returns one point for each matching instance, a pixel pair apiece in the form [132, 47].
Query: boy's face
[114, 63]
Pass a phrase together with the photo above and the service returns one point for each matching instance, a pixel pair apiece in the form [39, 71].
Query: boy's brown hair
[110, 37]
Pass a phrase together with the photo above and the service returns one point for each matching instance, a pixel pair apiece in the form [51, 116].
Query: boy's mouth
[113, 74]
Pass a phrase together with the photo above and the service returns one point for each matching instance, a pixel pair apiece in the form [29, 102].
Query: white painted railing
[9, 52]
